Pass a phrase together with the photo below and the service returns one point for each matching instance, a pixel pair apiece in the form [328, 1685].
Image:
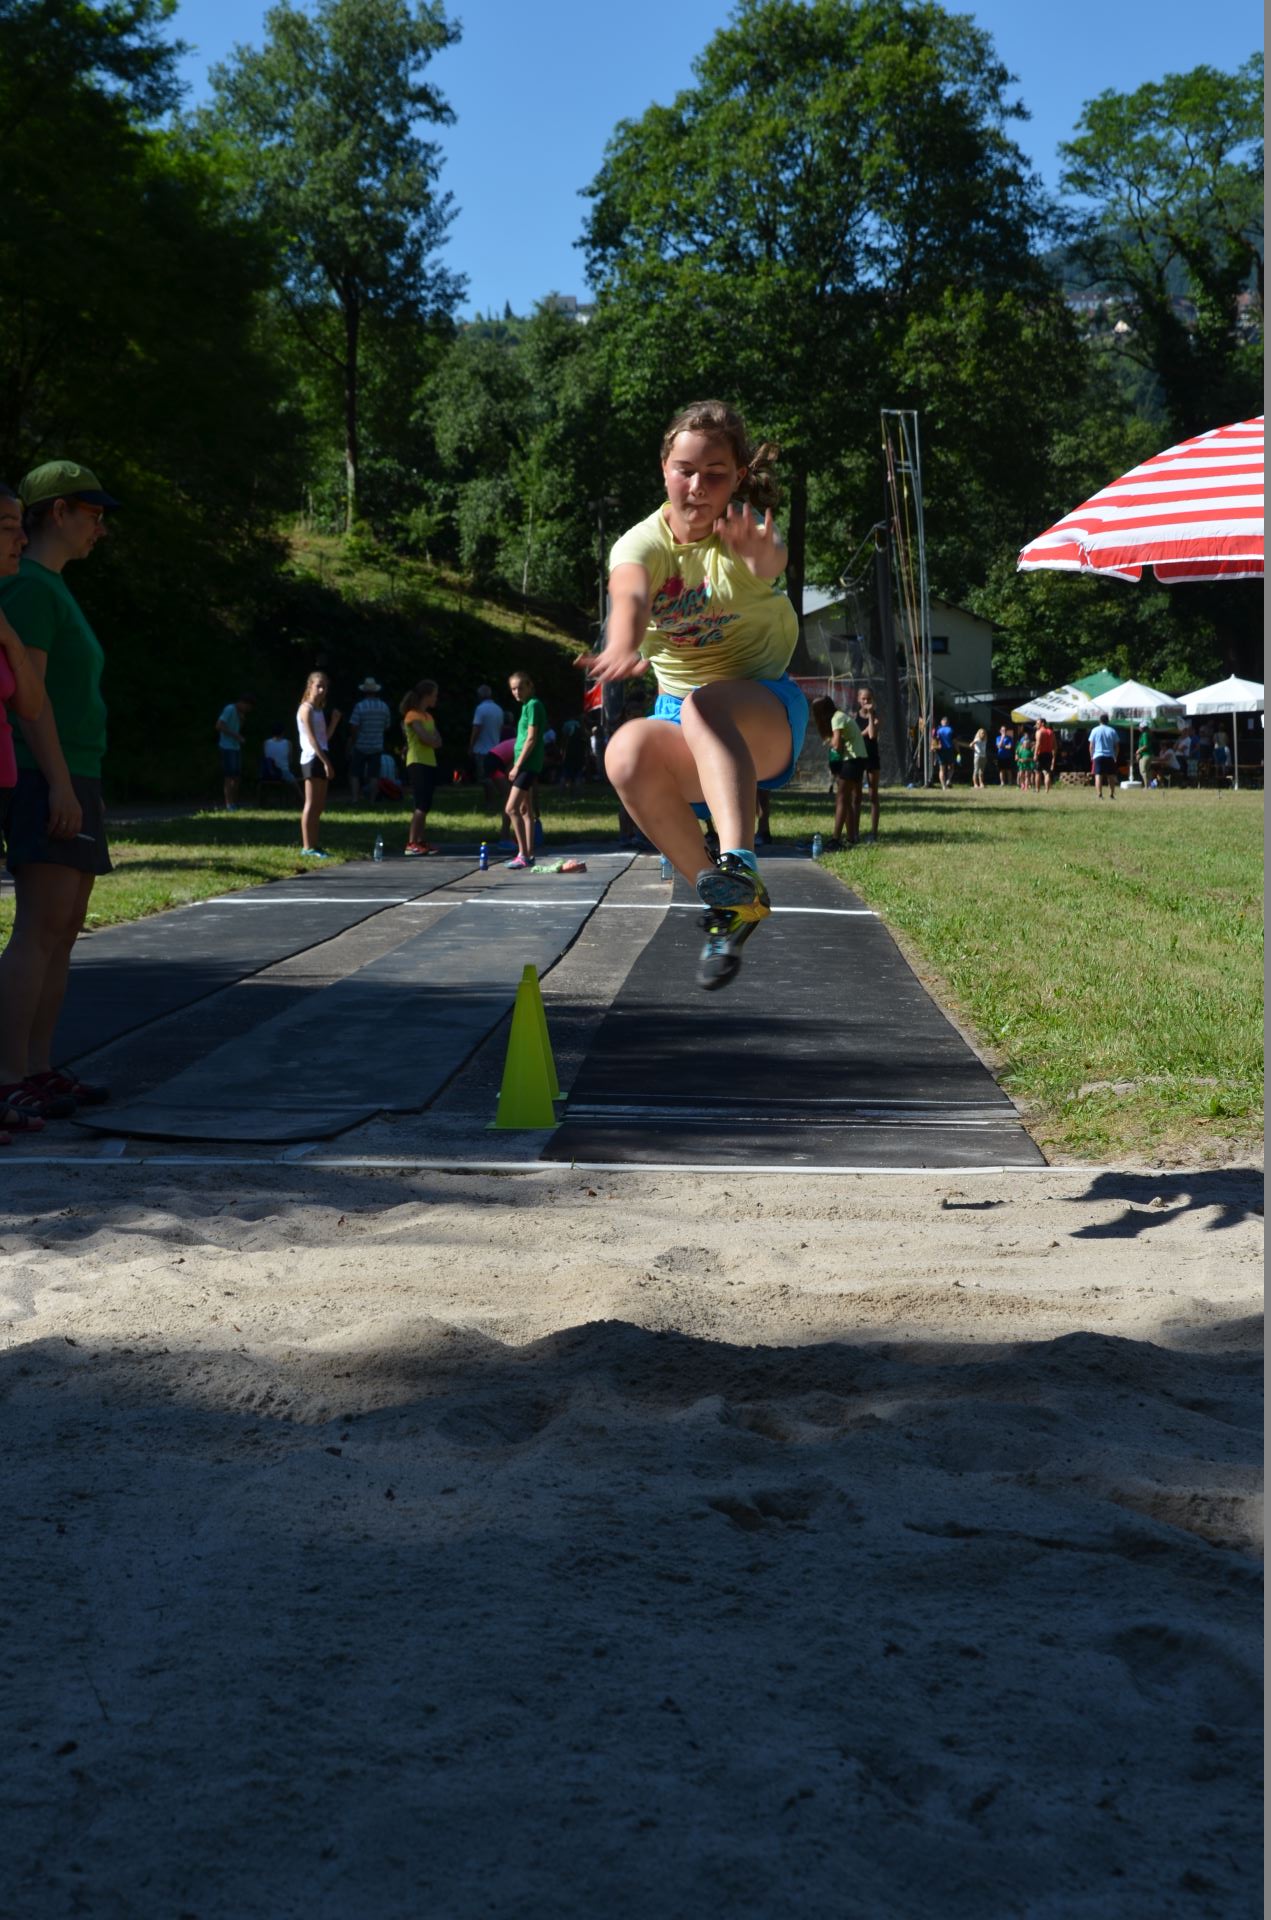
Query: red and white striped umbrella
[1191, 513]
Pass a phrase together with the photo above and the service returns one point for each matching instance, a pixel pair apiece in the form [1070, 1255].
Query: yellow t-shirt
[710, 618]
[417, 754]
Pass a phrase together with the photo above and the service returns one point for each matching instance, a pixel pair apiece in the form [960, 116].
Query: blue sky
[538, 88]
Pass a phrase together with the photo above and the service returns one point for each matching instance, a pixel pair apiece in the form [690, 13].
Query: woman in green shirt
[56, 834]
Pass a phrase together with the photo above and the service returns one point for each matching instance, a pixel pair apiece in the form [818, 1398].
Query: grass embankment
[1107, 957]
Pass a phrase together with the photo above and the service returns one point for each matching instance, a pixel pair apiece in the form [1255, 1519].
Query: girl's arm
[838, 741]
[28, 696]
[66, 816]
[628, 622]
[332, 724]
[315, 751]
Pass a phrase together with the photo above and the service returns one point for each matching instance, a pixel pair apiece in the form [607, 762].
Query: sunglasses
[98, 514]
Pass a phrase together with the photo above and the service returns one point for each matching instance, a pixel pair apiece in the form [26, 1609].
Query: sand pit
[405, 1544]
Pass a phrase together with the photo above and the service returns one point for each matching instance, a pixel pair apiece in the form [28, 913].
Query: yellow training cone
[525, 1098]
[529, 978]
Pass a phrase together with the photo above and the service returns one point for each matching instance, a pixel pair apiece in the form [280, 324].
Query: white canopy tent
[1065, 707]
[1232, 696]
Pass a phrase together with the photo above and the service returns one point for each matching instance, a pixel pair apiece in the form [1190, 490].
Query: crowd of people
[1033, 758]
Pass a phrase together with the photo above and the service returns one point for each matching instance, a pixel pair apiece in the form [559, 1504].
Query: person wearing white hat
[368, 724]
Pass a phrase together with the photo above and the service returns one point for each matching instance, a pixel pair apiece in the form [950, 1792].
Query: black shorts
[423, 785]
[1045, 763]
[312, 770]
[1106, 767]
[27, 828]
[852, 771]
[945, 756]
[524, 779]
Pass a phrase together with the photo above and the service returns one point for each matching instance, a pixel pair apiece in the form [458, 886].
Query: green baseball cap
[64, 480]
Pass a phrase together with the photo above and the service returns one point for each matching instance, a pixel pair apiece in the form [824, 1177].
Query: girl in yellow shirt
[693, 594]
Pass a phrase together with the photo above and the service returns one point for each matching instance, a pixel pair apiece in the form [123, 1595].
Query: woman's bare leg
[315, 801]
[738, 734]
[51, 903]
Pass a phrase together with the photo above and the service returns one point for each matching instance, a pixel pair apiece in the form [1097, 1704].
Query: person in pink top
[21, 692]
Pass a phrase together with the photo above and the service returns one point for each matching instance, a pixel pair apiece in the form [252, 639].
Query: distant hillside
[353, 609]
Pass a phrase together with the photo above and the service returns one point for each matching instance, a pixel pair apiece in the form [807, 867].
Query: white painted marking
[313, 900]
[406, 1164]
[652, 906]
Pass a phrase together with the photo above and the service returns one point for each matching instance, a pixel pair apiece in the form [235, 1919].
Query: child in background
[275, 761]
[845, 745]
[693, 593]
[315, 733]
[979, 756]
[422, 742]
[1024, 761]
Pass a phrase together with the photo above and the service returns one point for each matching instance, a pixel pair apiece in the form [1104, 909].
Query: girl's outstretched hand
[757, 542]
[612, 664]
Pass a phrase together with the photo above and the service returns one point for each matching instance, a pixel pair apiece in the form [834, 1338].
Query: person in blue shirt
[945, 744]
[1104, 749]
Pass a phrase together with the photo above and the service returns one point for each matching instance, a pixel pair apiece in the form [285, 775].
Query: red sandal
[52, 1085]
[19, 1110]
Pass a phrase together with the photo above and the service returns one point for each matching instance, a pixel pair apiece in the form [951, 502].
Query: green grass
[1107, 956]
[168, 863]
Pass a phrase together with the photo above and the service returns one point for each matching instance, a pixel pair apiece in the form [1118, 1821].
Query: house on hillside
[961, 650]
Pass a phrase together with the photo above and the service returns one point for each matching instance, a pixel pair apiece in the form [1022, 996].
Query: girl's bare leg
[840, 807]
[311, 814]
[738, 734]
[653, 772]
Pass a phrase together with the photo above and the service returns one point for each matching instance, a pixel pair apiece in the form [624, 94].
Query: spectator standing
[57, 825]
[979, 757]
[1143, 753]
[1104, 750]
[1004, 748]
[870, 722]
[422, 742]
[487, 731]
[229, 738]
[21, 692]
[1222, 753]
[368, 723]
[314, 732]
[943, 741]
[1044, 745]
[1024, 761]
[845, 751]
[526, 768]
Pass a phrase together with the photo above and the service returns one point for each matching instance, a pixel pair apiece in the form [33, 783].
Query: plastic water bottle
[817, 846]
[483, 858]
[664, 868]
[377, 851]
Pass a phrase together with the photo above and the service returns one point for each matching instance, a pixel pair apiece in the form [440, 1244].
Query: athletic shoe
[736, 900]
[313, 853]
[519, 865]
[710, 840]
[414, 848]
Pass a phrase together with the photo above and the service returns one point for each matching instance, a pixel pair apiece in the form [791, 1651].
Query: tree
[323, 125]
[1172, 178]
[837, 168]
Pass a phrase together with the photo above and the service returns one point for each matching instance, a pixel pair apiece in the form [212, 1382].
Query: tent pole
[1235, 752]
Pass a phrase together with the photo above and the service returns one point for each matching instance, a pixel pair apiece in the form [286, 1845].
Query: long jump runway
[826, 1052]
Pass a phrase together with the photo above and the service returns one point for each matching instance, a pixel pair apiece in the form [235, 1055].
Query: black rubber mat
[383, 1039]
[826, 1050]
[125, 977]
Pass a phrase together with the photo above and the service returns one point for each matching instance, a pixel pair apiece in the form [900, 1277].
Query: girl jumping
[693, 594]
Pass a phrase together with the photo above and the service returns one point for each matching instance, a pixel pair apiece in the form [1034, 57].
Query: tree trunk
[352, 323]
[797, 542]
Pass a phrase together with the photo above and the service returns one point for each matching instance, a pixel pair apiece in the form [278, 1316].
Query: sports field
[1106, 957]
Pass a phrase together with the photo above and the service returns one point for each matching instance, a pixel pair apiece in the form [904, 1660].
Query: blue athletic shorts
[667, 707]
